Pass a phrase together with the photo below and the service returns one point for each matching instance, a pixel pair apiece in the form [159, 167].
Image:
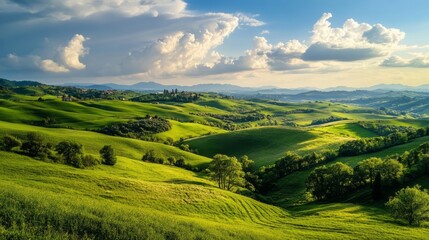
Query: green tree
[410, 204]
[246, 163]
[171, 160]
[366, 170]
[71, 152]
[391, 171]
[108, 156]
[226, 171]
[35, 146]
[330, 181]
[9, 142]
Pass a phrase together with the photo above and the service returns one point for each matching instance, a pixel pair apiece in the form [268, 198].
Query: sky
[281, 43]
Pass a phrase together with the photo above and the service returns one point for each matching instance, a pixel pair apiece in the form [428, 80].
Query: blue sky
[285, 43]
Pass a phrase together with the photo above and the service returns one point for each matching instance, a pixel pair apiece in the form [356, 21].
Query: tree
[410, 204]
[35, 146]
[330, 181]
[10, 142]
[246, 163]
[71, 152]
[108, 156]
[226, 171]
[171, 160]
[391, 171]
[365, 170]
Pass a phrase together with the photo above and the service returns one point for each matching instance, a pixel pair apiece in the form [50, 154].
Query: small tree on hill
[71, 152]
[226, 171]
[108, 155]
[35, 146]
[410, 204]
[9, 142]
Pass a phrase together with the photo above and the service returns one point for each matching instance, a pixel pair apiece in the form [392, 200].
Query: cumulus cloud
[421, 61]
[71, 53]
[264, 32]
[68, 59]
[250, 21]
[181, 51]
[48, 65]
[69, 9]
[351, 42]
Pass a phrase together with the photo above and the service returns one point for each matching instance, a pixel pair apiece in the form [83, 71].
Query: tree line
[337, 179]
[140, 129]
[68, 152]
[369, 145]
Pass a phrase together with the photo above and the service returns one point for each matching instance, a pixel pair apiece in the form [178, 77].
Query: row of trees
[327, 120]
[369, 145]
[237, 118]
[166, 96]
[265, 178]
[153, 157]
[71, 153]
[383, 129]
[333, 180]
[138, 129]
[339, 178]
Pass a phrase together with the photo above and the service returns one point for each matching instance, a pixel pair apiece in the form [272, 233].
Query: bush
[89, 161]
[410, 204]
[9, 142]
[71, 152]
[35, 146]
[108, 155]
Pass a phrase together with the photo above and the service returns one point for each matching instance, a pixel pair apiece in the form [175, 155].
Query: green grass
[188, 130]
[264, 145]
[348, 130]
[93, 142]
[134, 199]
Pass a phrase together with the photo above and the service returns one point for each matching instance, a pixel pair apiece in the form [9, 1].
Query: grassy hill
[264, 145]
[141, 200]
[93, 142]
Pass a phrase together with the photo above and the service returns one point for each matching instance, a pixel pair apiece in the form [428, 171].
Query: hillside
[265, 145]
[135, 199]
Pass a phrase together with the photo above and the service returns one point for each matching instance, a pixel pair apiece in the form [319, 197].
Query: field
[161, 202]
[265, 145]
[140, 200]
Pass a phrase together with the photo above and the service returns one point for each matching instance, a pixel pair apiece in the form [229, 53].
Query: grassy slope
[348, 130]
[96, 114]
[265, 145]
[188, 130]
[291, 189]
[156, 202]
[93, 142]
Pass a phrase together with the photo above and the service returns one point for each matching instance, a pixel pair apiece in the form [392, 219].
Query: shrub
[108, 155]
[9, 142]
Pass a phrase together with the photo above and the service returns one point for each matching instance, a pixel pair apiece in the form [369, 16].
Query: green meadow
[140, 200]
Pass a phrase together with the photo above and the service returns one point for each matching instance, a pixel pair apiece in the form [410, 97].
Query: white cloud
[68, 56]
[71, 53]
[181, 51]
[264, 32]
[250, 21]
[421, 61]
[353, 41]
[48, 65]
[69, 9]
